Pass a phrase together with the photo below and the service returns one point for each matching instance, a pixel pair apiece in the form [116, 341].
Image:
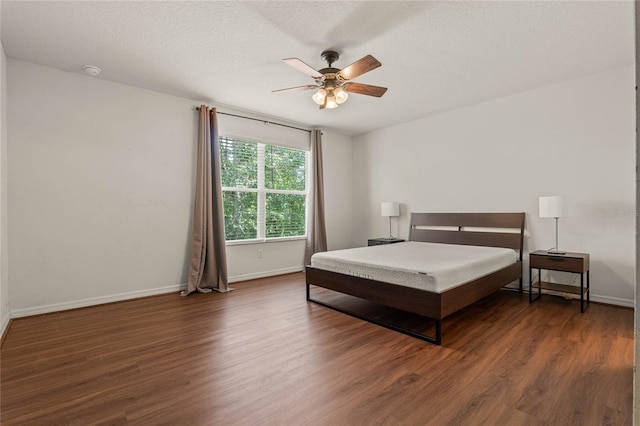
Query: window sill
[263, 241]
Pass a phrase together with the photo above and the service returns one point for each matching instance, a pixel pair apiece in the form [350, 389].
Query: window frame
[262, 192]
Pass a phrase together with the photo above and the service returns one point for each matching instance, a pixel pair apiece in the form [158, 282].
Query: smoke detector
[92, 70]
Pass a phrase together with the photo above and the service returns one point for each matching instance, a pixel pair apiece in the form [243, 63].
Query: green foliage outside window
[285, 215]
[240, 215]
[238, 163]
[284, 168]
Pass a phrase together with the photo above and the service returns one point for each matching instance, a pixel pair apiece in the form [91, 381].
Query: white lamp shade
[551, 206]
[390, 209]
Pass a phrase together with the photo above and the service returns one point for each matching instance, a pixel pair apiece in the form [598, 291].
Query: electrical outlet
[260, 253]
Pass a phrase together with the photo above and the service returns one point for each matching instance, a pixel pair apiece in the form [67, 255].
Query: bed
[499, 230]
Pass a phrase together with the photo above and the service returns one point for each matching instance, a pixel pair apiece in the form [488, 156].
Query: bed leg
[308, 292]
[438, 340]
[520, 281]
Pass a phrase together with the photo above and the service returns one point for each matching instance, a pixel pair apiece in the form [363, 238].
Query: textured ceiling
[436, 56]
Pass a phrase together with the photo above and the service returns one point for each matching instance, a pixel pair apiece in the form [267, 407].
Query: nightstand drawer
[565, 263]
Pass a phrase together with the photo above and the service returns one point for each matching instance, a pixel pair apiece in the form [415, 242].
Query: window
[264, 190]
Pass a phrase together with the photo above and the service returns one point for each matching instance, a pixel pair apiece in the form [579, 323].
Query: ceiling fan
[333, 85]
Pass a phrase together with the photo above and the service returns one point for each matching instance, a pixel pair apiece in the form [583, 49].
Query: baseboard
[264, 274]
[4, 327]
[83, 303]
[607, 300]
[628, 303]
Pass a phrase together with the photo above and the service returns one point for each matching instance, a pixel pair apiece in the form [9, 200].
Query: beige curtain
[208, 255]
[316, 230]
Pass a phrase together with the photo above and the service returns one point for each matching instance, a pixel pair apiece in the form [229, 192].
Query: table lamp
[552, 206]
[390, 209]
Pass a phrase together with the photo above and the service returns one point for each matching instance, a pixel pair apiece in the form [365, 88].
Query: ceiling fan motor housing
[330, 56]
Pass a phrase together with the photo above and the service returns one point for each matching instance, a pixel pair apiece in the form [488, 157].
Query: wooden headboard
[449, 228]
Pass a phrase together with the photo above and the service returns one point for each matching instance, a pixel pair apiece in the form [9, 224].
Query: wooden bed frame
[447, 228]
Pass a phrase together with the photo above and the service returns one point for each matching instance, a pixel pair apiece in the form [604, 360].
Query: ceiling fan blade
[359, 67]
[297, 88]
[365, 89]
[301, 66]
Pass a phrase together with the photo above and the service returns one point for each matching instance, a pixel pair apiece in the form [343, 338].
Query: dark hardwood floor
[262, 355]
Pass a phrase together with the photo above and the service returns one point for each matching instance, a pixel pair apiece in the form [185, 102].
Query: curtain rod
[263, 121]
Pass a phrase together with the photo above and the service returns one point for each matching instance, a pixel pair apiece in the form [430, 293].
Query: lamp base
[554, 251]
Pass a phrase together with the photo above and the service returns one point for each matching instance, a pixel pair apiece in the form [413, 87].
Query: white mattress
[428, 266]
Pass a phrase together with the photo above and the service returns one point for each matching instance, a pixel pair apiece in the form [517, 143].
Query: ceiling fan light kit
[333, 84]
[330, 97]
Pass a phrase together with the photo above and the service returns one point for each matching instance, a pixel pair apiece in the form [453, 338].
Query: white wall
[338, 159]
[4, 252]
[100, 188]
[576, 139]
[100, 192]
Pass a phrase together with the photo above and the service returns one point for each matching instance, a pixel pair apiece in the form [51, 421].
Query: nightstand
[381, 241]
[577, 263]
